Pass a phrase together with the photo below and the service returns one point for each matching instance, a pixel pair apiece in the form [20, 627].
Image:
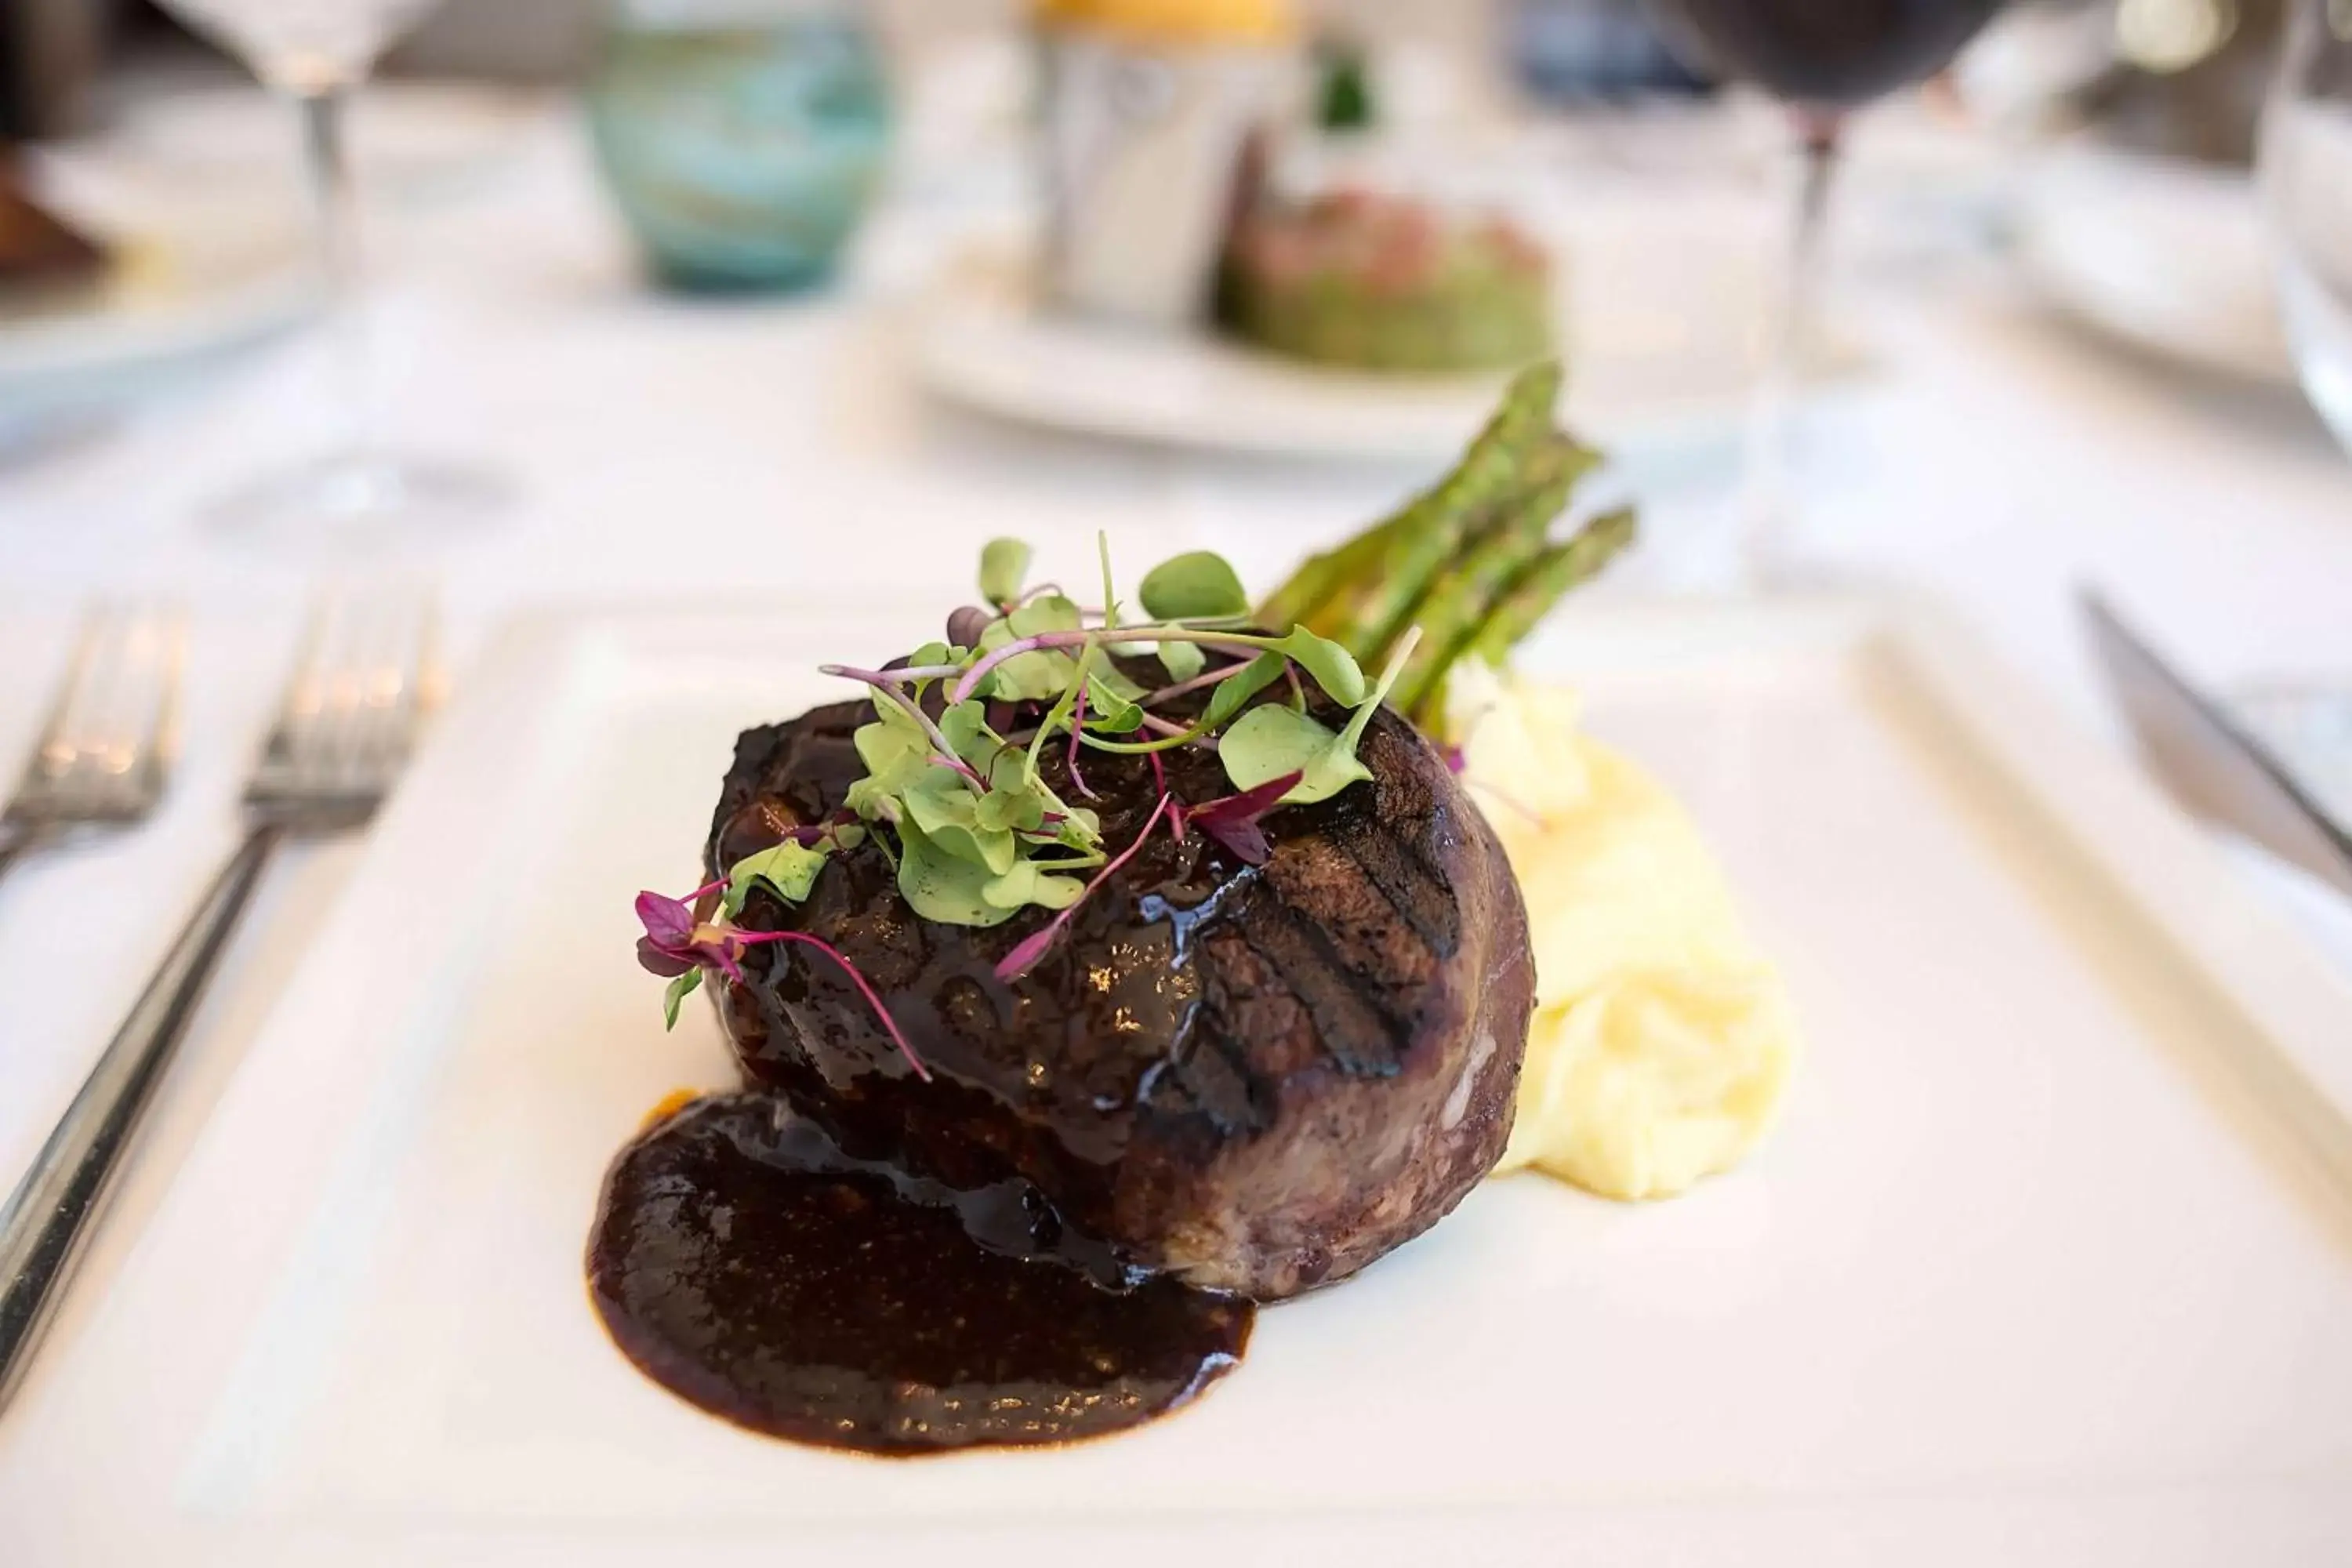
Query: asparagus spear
[1540, 584]
[1308, 598]
[1432, 530]
[1467, 591]
[1352, 594]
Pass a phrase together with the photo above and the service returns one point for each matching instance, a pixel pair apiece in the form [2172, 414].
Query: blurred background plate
[1663, 332]
[2093, 220]
[185, 285]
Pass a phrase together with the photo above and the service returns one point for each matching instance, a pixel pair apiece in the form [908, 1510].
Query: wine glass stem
[1769, 505]
[335, 200]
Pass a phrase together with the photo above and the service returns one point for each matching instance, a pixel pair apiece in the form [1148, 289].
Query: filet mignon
[1257, 1079]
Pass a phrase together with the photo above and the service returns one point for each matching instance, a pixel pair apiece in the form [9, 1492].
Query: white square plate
[2050, 1260]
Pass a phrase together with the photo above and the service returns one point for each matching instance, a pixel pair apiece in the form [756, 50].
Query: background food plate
[185, 285]
[1668, 362]
[2051, 1260]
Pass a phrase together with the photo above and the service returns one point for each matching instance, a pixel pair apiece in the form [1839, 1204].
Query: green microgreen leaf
[1111, 680]
[1380, 694]
[946, 887]
[1334, 668]
[1004, 568]
[679, 990]
[948, 814]
[896, 754]
[1107, 712]
[1182, 660]
[1017, 801]
[1266, 743]
[1271, 741]
[789, 869]
[965, 725]
[1232, 693]
[1029, 883]
[1196, 586]
[933, 654]
[1041, 674]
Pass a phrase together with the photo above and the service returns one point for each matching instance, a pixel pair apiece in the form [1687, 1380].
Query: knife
[2212, 767]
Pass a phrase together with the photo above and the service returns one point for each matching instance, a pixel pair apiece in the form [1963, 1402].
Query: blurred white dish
[406, 136]
[2164, 254]
[181, 287]
[1661, 338]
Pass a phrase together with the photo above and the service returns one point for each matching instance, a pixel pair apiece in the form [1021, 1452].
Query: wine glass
[1821, 58]
[2305, 172]
[358, 492]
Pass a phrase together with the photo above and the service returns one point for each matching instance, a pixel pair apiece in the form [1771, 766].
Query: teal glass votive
[742, 139]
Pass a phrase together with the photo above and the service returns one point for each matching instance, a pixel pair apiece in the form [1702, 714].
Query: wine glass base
[361, 504]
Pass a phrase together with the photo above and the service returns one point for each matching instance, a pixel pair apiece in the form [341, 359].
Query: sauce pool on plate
[745, 1263]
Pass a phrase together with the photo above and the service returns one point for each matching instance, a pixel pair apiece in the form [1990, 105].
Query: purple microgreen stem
[944, 753]
[857, 978]
[1198, 683]
[906, 677]
[1018, 962]
[1156, 633]
[1078, 726]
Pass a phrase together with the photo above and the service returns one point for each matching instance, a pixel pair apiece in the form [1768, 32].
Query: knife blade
[2215, 769]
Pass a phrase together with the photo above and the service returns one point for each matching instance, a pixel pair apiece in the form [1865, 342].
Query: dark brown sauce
[745, 1263]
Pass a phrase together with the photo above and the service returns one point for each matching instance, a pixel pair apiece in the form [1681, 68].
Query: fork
[106, 752]
[367, 678]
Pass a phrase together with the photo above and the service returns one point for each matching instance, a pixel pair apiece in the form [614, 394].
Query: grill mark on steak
[1211, 1067]
[1415, 890]
[1352, 1020]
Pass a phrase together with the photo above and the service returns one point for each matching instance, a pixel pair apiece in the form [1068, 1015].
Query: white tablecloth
[669, 448]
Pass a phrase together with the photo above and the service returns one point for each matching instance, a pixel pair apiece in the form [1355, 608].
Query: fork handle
[50, 1215]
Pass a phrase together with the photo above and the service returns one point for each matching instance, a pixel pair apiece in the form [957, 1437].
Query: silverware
[2212, 767]
[105, 754]
[367, 678]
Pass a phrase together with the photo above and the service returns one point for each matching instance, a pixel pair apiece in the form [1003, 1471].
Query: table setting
[1699, 649]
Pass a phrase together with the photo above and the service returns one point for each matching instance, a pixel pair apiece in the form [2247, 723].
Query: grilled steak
[1258, 1078]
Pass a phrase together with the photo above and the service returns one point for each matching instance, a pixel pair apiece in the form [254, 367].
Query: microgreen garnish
[1233, 820]
[955, 794]
[680, 948]
[953, 790]
[1031, 949]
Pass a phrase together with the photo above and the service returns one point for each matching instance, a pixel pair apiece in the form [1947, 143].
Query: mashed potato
[1662, 1039]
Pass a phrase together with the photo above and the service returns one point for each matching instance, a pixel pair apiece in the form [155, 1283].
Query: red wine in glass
[1821, 58]
[1824, 54]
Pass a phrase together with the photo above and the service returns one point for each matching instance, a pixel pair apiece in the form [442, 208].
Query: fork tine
[55, 751]
[353, 707]
[357, 671]
[133, 704]
[391, 685]
[105, 748]
[164, 748]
